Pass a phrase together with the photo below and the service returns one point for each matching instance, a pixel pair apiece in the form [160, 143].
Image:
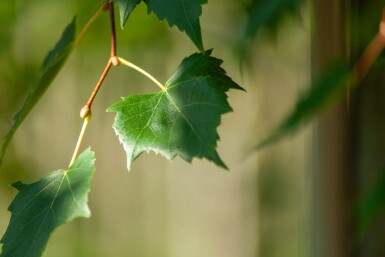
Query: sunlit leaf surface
[181, 119]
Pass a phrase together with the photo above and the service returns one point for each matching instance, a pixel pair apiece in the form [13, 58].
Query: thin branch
[80, 139]
[113, 31]
[148, 75]
[87, 108]
[85, 112]
[103, 8]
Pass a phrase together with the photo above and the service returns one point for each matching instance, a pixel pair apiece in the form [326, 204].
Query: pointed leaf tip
[184, 14]
[125, 9]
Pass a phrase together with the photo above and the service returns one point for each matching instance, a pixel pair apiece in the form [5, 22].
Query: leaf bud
[85, 112]
[115, 60]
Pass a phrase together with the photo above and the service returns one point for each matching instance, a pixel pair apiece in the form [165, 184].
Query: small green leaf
[39, 208]
[125, 9]
[184, 14]
[180, 120]
[50, 68]
[329, 87]
[269, 14]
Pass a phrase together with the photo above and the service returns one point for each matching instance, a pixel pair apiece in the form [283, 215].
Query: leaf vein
[148, 123]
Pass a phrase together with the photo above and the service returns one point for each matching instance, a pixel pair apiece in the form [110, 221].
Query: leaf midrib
[187, 121]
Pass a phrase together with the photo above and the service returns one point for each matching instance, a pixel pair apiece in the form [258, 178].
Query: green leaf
[50, 68]
[39, 208]
[371, 204]
[181, 119]
[269, 14]
[324, 91]
[125, 9]
[182, 13]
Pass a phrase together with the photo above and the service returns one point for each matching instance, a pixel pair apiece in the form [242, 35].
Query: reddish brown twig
[113, 32]
[86, 110]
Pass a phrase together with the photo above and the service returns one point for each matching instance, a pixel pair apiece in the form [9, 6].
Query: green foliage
[323, 91]
[50, 68]
[39, 208]
[269, 14]
[181, 119]
[371, 205]
[184, 14]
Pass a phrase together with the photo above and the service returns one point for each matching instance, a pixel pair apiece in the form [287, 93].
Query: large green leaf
[324, 90]
[50, 68]
[181, 119]
[39, 208]
[182, 13]
[125, 9]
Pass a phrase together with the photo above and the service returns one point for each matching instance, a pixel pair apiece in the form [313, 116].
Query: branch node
[115, 61]
[85, 112]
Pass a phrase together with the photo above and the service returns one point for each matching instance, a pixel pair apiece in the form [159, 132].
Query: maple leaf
[39, 208]
[181, 119]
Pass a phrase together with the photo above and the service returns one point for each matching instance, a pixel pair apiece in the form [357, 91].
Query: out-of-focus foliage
[268, 15]
[324, 90]
[371, 206]
[50, 68]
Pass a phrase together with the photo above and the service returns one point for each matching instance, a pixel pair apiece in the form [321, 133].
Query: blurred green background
[261, 207]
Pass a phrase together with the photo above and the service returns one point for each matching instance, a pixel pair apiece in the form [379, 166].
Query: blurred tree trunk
[368, 112]
[332, 179]
[350, 140]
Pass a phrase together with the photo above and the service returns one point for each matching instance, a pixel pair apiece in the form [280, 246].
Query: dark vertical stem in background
[368, 124]
[332, 198]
